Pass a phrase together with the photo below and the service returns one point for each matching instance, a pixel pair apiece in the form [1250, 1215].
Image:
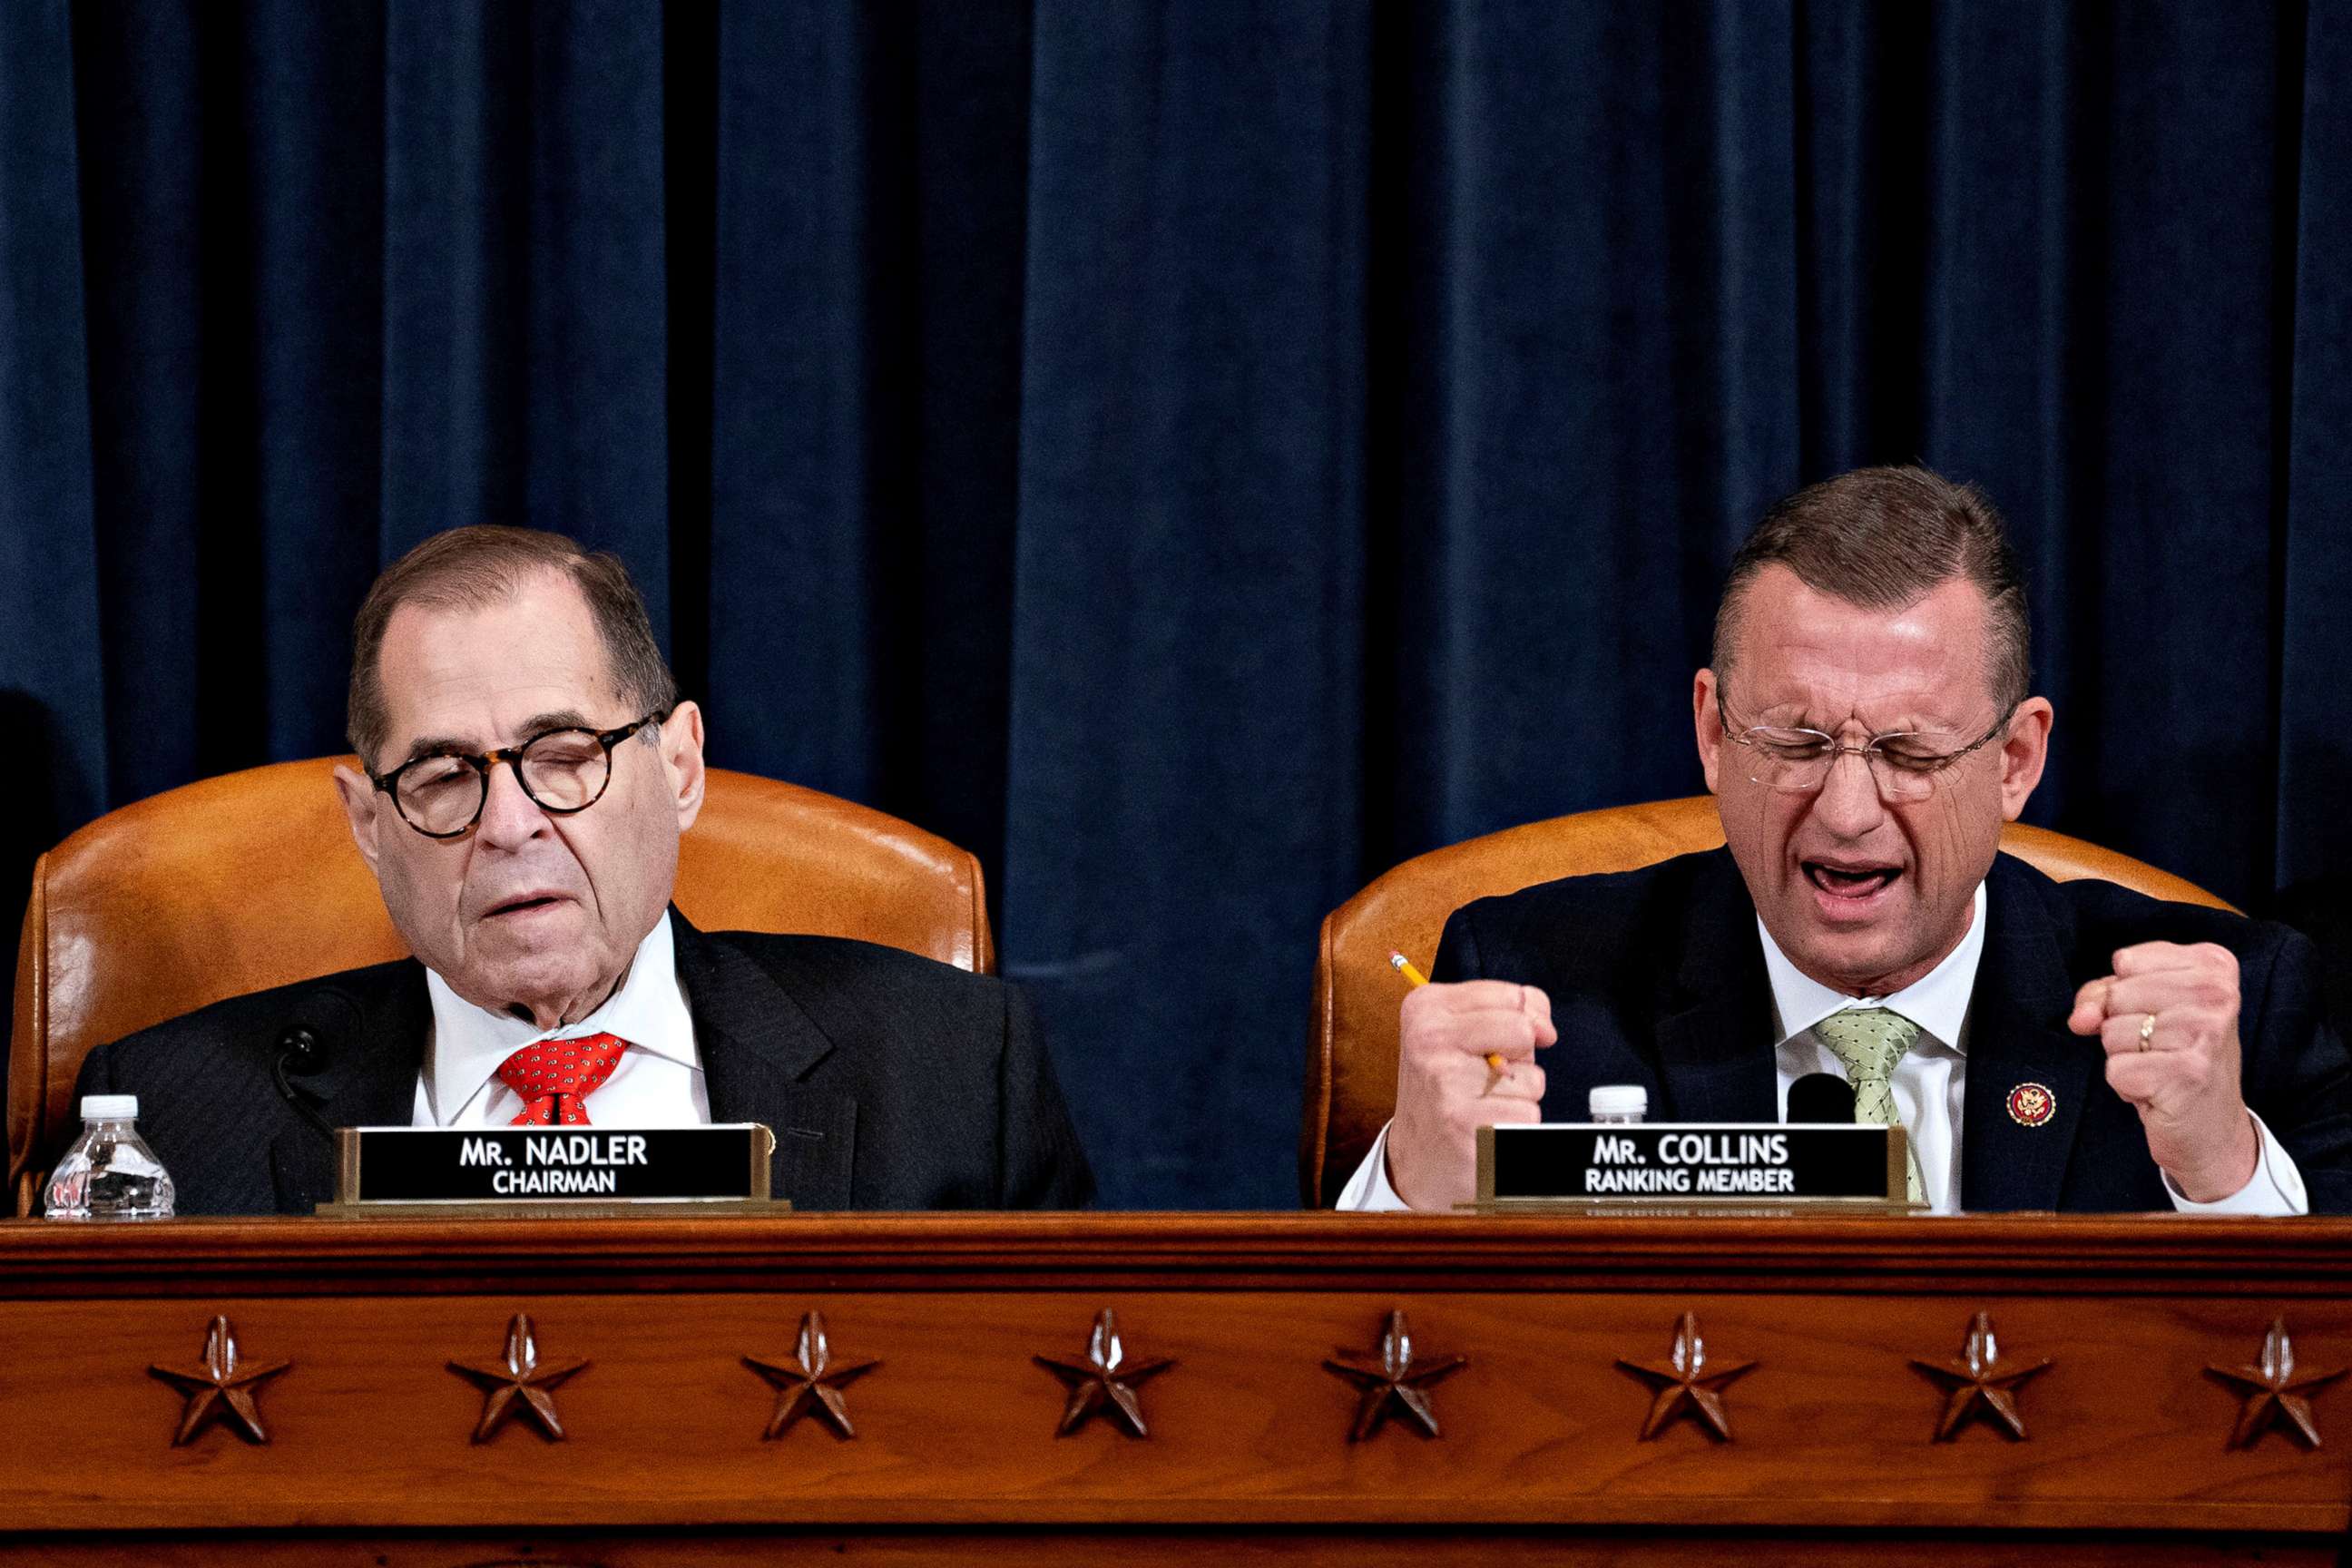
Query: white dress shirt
[656, 1083]
[1929, 1083]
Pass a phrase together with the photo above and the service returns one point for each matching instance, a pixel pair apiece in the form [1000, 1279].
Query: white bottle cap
[1618, 1100]
[109, 1108]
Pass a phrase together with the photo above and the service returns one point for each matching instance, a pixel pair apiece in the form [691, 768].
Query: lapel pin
[2031, 1104]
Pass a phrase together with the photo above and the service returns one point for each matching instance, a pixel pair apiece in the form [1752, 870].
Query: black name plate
[552, 1164]
[1556, 1163]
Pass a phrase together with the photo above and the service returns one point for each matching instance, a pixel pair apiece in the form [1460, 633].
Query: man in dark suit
[528, 771]
[1866, 728]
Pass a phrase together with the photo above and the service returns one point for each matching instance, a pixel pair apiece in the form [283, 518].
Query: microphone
[324, 1021]
[1821, 1096]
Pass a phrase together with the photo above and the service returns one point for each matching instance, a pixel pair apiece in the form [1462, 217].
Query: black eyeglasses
[441, 795]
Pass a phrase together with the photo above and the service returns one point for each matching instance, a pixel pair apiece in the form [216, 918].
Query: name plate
[541, 1165]
[1668, 1162]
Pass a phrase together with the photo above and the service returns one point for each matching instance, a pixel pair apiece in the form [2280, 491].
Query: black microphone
[325, 1021]
[1821, 1096]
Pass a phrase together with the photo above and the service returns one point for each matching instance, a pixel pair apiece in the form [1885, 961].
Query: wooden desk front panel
[1833, 1426]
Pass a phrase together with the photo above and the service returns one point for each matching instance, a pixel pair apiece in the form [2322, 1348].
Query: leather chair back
[1351, 1058]
[238, 883]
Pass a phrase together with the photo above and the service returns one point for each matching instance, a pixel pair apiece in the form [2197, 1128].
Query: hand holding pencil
[1416, 979]
[1465, 1059]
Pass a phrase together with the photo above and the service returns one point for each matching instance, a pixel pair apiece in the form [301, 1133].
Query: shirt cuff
[2276, 1188]
[1368, 1191]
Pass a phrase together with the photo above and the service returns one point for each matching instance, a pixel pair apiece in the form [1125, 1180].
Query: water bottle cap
[1618, 1100]
[109, 1108]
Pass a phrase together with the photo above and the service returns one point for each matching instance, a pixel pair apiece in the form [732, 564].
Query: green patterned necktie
[1870, 1041]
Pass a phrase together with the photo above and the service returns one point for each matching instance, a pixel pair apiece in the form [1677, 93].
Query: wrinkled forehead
[1925, 665]
[480, 674]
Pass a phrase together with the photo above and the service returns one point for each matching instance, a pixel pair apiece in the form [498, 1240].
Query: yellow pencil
[1403, 966]
[1416, 979]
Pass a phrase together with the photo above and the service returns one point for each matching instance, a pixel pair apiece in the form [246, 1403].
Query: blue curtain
[1195, 455]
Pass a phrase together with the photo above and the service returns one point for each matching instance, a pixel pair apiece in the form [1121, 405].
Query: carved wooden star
[1391, 1380]
[812, 1380]
[1104, 1381]
[2273, 1392]
[1685, 1383]
[519, 1381]
[1978, 1381]
[221, 1389]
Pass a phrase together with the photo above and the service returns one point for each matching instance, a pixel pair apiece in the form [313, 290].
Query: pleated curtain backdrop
[1193, 454]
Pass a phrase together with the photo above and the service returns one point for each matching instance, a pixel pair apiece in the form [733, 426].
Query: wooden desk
[956, 1458]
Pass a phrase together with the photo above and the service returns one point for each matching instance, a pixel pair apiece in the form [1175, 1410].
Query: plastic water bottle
[109, 1173]
[1617, 1104]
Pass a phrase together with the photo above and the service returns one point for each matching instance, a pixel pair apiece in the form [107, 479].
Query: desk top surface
[2044, 1253]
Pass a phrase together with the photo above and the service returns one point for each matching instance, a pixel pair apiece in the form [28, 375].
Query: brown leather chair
[249, 880]
[1352, 1059]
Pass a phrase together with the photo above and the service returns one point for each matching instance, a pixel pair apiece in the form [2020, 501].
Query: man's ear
[359, 798]
[682, 750]
[2023, 754]
[1708, 720]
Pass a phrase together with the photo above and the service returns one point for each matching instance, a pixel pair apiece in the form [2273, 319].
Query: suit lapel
[2018, 1034]
[758, 1045]
[1715, 1015]
[367, 1082]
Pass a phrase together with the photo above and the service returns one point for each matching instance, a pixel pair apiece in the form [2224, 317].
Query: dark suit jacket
[1657, 977]
[891, 1082]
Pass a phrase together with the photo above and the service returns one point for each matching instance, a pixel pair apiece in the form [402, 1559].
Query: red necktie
[554, 1076]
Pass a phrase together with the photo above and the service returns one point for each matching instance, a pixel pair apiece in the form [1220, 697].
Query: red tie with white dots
[553, 1077]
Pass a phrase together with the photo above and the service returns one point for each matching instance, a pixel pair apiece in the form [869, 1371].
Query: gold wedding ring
[2147, 1030]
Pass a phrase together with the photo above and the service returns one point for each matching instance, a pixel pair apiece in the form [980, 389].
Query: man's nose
[1848, 804]
[510, 816]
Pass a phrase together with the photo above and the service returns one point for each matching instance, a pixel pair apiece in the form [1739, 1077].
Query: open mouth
[522, 906]
[1850, 881]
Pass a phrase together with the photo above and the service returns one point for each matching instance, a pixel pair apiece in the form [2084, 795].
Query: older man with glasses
[1867, 728]
[526, 771]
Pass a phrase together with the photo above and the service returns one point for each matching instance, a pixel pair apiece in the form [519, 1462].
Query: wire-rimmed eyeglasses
[1904, 763]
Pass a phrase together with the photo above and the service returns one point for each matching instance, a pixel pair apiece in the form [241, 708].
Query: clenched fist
[1447, 1089]
[2168, 1019]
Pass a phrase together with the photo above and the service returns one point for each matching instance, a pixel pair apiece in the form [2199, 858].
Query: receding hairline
[477, 568]
[1731, 612]
[482, 596]
[487, 589]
